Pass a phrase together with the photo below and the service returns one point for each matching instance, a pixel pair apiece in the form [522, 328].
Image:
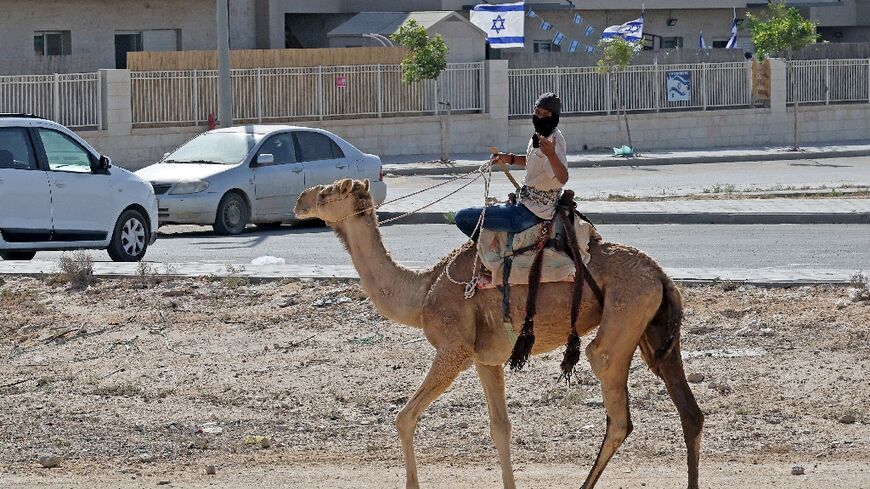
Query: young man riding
[546, 166]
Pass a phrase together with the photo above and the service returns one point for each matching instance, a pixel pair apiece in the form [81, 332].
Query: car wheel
[130, 237]
[17, 255]
[232, 214]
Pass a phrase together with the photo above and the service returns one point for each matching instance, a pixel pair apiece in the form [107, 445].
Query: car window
[281, 146]
[63, 153]
[15, 149]
[219, 148]
[315, 146]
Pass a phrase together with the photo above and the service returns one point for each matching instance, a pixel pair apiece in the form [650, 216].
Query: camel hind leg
[660, 349]
[610, 356]
[670, 369]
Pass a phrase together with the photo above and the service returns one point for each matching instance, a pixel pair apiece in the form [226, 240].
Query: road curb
[670, 218]
[610, 161]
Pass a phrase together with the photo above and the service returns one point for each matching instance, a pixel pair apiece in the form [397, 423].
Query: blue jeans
[507, 217]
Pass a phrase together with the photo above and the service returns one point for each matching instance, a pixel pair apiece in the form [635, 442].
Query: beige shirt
[540, 174]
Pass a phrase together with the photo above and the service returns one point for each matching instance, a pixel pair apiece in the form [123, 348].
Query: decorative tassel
[522, 348]
[572, 356]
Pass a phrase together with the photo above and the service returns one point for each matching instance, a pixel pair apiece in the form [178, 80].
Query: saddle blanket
[557, 266]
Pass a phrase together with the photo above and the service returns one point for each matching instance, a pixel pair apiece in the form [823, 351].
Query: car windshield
[219, 148]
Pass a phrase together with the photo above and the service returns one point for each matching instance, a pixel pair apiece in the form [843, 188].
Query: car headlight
[194, 187]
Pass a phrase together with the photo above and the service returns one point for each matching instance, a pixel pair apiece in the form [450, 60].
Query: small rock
[146, 457]
[765, 332]
[695, 378]
[211, 428]
[744, 332]
[49, 461]
[797, 470]
[595, 402]
[163, 482]
[462, 425]
[841, 304]
[210, 470]
[848, 419]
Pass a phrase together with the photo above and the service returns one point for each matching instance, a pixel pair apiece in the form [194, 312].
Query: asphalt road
[787, 247]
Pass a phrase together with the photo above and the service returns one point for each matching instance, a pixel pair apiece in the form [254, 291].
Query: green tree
[425, 61]
[778, 32]
[617, 54]
[428, 55]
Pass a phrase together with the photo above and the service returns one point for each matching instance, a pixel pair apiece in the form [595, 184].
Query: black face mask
[544, 126]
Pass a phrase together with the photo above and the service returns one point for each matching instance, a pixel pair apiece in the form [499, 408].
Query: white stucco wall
[93, 24]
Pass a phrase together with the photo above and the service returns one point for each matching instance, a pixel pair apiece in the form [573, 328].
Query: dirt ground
[138, 382]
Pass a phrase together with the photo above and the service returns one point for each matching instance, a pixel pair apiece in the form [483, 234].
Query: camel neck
[397, 292]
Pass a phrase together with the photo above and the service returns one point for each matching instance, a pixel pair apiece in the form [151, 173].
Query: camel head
[336, 202]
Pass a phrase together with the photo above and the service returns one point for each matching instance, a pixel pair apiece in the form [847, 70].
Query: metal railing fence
[321, 92]
[827, 81]
[642, 88]
[72, 100]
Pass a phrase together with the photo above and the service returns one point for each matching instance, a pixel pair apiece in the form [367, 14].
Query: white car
[58, 193]
[234, 176]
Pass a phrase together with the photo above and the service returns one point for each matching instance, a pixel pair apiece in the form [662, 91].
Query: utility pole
[225, 90]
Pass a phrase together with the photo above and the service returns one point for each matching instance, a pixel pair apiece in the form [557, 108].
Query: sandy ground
[136, 382]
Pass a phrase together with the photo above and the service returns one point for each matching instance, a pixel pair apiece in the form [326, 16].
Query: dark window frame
[41, 43]
[334, 149]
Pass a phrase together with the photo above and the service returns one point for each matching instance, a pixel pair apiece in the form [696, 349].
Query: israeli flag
[557, 39]
[578, 19]
[703, 43]
[590, 49]
[732, 43]
[546, 25]
[572, 48]
[589, 31]
[532, 14]
[631, 31]
[503, 24]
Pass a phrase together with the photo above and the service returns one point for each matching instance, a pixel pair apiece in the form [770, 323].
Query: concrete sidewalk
[763, 277]
[461, 163]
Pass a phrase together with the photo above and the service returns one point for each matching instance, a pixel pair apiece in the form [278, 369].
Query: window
[720, 44]
[672, 42]
[314, 146]
[15, 151]
[63, 153]
[225, 148]
[546, 47]
[52, 43]
[281, 147]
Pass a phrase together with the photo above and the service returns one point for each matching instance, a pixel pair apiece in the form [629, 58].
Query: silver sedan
[234, 176]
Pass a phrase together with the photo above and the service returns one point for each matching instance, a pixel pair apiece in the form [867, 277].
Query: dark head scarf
[546, 125]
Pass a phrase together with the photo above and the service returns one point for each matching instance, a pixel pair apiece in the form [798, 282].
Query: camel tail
[661, 340]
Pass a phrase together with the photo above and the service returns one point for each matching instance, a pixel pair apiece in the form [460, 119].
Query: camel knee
[500, 427]
[405, 423]
[598, 359]
[618, 431]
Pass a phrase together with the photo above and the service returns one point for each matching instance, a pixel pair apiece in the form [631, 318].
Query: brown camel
[642, 307]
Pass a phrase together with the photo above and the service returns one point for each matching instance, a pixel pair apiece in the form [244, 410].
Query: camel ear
[366, 184]
[345, 186]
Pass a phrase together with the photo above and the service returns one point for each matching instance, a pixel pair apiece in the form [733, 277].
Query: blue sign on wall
[679, 86]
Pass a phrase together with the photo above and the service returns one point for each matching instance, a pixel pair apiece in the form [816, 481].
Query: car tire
[130, 237]
[232, 215]
[17, 255]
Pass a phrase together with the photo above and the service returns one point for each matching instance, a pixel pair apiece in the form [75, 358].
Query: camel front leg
[492, 379]
[446, 366]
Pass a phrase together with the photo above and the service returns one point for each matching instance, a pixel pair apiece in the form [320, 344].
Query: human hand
[546, 146]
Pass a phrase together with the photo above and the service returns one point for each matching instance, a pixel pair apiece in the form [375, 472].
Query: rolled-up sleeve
[561, 153]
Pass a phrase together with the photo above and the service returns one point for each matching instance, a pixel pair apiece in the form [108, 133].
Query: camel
[642, 308]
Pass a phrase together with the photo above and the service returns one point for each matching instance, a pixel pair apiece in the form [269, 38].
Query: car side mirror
[266, 159]
[102, 165]
[165, 155]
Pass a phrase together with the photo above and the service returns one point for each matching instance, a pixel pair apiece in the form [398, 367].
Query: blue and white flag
[732, 43]
[631, 31]
[546, 25]
[702, 43]
[572, 48]
[532, 14]
[590, 49]
[578, 19]
[557, 39]
[589, 31]
[503, 23]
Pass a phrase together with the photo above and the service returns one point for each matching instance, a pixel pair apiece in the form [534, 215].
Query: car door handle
[60, 185]
[297, 169]
[342, 166]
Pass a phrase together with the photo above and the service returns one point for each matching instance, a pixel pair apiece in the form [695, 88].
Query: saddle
[552, 251]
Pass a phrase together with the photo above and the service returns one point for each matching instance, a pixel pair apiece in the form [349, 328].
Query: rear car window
[314, 146]
[15, 149]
